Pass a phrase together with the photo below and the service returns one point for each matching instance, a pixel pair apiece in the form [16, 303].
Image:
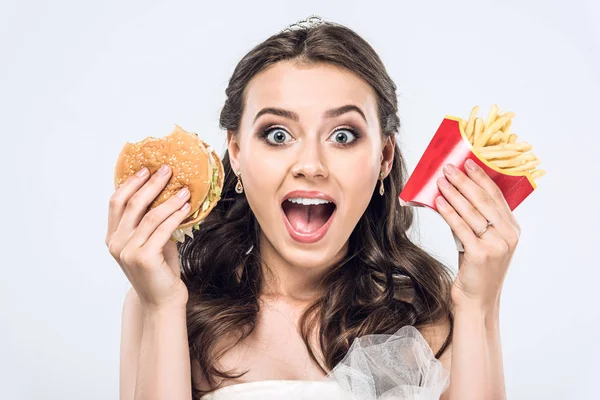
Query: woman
[269, 297]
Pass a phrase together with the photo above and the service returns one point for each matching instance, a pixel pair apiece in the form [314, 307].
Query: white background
[79, 78]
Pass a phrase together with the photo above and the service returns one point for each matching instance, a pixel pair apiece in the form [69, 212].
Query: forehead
[308, 88]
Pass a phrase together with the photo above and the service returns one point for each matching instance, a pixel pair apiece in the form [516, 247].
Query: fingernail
[441, 201]
[471, 165]
[164, 170]
[142, 172]
[444, 183]
[450, 169]
[182, 193]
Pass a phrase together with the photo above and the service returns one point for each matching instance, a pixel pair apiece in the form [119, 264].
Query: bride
[302, 283]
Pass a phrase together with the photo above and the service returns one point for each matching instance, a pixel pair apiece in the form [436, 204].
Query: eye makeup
[263, 134]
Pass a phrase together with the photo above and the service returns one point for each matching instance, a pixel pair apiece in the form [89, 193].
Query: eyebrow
[334, 112]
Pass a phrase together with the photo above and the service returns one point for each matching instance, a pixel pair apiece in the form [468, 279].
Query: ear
[233, 148]
[387, 154]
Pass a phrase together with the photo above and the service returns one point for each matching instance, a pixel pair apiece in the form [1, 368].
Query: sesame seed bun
[194, 164]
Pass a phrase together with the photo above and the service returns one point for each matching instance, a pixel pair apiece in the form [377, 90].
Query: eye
[274, 136]
[345, 136]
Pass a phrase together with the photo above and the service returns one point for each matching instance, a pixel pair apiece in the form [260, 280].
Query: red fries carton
[450, 146]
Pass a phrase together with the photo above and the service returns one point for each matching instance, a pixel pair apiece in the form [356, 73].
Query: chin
[309, 260]
[313, 257]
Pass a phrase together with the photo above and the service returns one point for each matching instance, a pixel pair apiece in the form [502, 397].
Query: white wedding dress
[377, 367]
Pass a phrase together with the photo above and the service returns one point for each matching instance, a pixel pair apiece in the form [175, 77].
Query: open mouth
[307, 219]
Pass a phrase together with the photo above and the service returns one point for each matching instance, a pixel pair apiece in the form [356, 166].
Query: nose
[309, 161]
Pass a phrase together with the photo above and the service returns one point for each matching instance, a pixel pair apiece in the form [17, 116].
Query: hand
[139, 240]
[468, 202]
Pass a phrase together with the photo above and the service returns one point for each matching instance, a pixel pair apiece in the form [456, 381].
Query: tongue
[307, 219]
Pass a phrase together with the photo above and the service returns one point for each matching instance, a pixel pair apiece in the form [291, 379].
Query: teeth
[308, 202]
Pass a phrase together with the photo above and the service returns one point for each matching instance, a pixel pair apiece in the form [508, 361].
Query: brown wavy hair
[385, 281]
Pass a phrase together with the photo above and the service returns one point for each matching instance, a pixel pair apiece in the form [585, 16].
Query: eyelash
[265, 132]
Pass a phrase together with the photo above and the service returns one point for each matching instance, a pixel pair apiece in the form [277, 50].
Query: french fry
[504, 138]
[487, 133]
[521, 146]
[500, 154]
[514, 161]
[492, 115]
[477, 130]
[506, 127]
[493, 140]
[496, 138]
[537, 173]
[471, 123]
[500, 122]
[526, 167]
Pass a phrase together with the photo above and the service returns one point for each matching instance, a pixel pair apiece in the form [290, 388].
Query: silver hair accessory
[309, 22]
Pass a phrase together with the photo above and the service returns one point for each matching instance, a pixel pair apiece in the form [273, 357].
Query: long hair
[384, 282]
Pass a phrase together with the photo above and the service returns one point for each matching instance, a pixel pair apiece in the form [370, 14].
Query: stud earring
[381, 189]
[239, 188]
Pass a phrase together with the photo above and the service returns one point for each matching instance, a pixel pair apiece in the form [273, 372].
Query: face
[304, 146]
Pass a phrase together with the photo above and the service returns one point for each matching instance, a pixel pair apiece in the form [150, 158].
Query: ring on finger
[489, 223]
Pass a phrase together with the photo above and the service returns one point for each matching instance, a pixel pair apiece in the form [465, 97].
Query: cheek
[356, 179]
[260, 161]
[357, 189]
[261, 177]
[357, 171]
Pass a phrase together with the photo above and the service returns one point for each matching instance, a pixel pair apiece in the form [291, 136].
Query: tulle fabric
[400, 366]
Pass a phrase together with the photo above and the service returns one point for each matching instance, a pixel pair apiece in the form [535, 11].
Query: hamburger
[194, 164]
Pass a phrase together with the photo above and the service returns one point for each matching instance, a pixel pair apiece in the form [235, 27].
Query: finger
[119, 199]
[483, 180]
[477, 196]
[156, 217]
[462, 206]
[458, 225]
[138, 205]
[161, 236]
